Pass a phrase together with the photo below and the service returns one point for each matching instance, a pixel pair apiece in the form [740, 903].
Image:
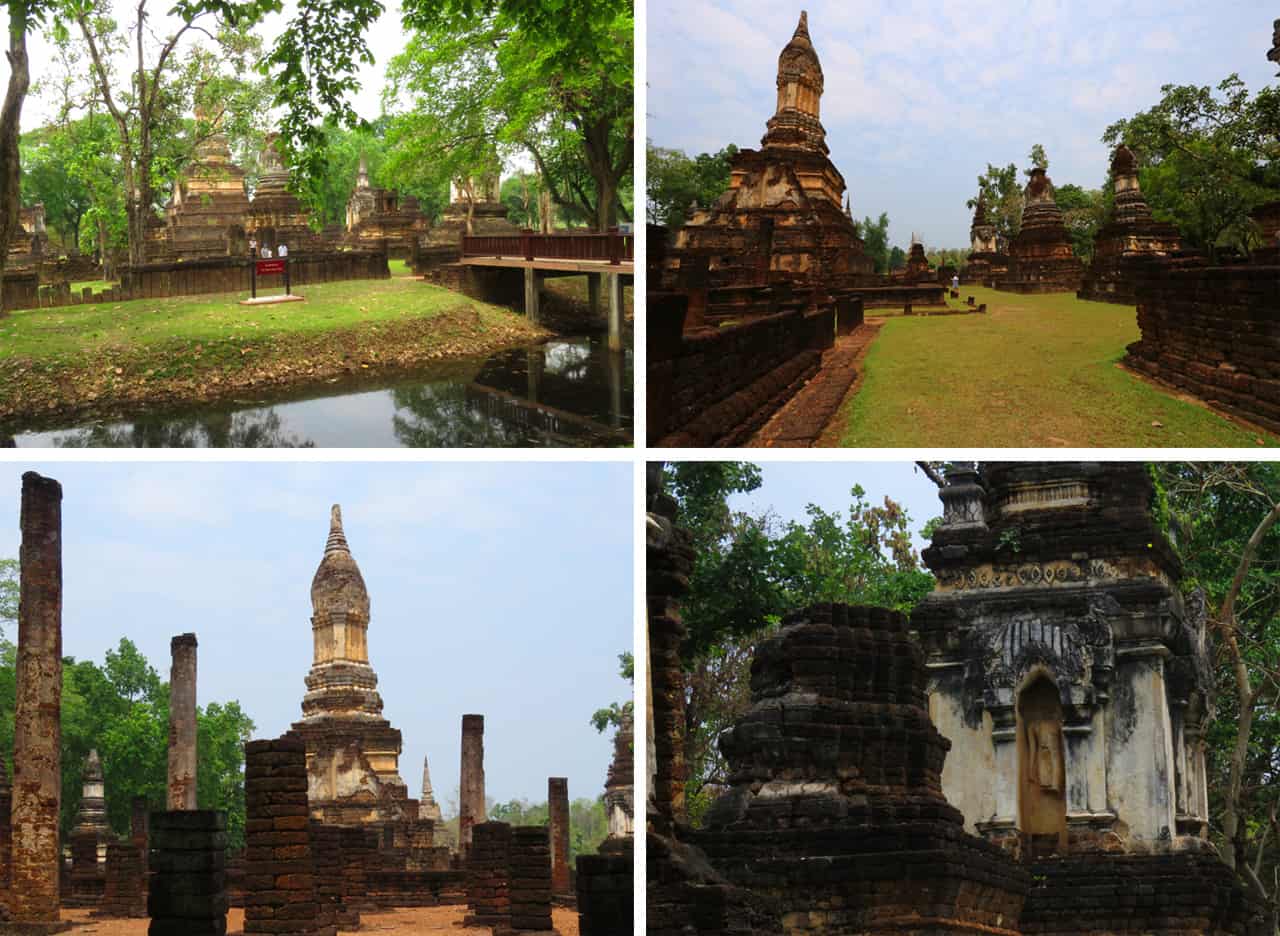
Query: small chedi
[353, 753]
[782, 218]
[89, 838]
[985, 262]
[1130, 237]
[377, 214]
[1040, 257]
[917, 268]
[1072, 682]
[205, 216]
[30, 238]
[1209, 329]
[276, 216]
[475, 208]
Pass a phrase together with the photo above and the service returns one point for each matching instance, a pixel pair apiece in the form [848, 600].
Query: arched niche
[1042, 782]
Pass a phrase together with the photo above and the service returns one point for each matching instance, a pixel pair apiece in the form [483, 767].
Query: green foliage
[1215, 508]
[1083, 211]
[1207, 158]
[520, 194]
[1001, 192]
[678, 185]
[122, 709]
[875, 239]
[751, 570]
[478, 81]
[613, 715]
[897, 258]
[8, 593]
[588, 824]
[1038, 158]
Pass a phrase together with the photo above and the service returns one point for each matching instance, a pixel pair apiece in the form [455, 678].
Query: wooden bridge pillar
[531, 281]
[613, 285]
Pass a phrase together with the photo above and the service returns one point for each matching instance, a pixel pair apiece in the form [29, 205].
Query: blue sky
[920, 96]
[498, 588]
[787, 487]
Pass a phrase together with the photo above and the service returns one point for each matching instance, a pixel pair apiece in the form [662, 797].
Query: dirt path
[805, 417]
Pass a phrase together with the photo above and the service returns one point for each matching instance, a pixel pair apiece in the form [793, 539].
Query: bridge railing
[612, 247]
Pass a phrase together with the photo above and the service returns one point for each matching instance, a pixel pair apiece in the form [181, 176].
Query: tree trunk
[10, 128]
[544, 211]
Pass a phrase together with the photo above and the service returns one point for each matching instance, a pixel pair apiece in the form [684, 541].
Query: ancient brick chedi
[206, 215]
[376, 214]
[1131, 235]
[985, 261]
[1067, 673]
[1040, 258]
[782, 217]
[182, 722]
[1071, 678]
[276, 216]
[835, 807]
[428, 808]
[353, 753]
[1211, 330]
[34, 895]
[89, 835]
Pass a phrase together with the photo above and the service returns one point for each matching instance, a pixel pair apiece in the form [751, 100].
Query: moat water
[566, 392]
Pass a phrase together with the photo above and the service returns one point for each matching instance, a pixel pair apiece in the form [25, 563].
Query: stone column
[182, 723]
[558, 811]
[37, 733]
[488, 877]
[279, 872]
[531, 283]
[471, 793]
[530, 880]
[188, 861]
[613, 286]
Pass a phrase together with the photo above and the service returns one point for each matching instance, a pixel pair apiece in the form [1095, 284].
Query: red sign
[267, 267]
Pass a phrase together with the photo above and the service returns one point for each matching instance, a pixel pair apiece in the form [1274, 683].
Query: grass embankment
[1034, 371]
[104, 359]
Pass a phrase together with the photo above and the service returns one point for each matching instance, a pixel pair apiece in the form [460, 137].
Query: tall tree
[1226, 520]
[477, 79]
[875, 237]
[677, 185]
[1208, 158]
[24, 15]
[999, 189]
[146, 105]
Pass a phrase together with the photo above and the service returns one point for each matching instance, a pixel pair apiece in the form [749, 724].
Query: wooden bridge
[606, 258]
[566, 253]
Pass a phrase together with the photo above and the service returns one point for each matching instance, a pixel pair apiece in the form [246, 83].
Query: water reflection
[565, 392]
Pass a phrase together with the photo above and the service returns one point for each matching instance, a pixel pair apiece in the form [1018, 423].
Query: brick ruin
[428, 808]
[489, 876]
[1025, 755]
[605, 880]
[34, 897]
[481, 214]
[1073, 680]
[276, 216]
[471, 808]
[188, 889]
[754, 289]
[683, 892]
[1040, 257]
[782, 213]
[353, 753]
[89, 838]
[376, 214]
[1209, 329]
[1131, 234]
[917, 268]
[301, 872]
[985, 263]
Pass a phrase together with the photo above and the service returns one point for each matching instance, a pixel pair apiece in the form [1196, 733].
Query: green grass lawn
[97, 286]
[1034, 371]
[217, 326]
[400, 268]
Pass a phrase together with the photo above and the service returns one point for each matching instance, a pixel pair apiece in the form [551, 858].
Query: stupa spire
[795, 123]
[337, 541]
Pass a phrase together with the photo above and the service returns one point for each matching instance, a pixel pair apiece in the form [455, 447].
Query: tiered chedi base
[836, 808]
[1041, 258]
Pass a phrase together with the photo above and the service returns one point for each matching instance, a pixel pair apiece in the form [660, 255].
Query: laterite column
[558, 810]
[182, 723]
[471, 794]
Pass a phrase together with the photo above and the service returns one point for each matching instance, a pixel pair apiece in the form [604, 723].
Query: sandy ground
[426, 920]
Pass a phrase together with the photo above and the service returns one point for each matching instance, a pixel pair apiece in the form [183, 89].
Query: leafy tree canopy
[677, 184]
